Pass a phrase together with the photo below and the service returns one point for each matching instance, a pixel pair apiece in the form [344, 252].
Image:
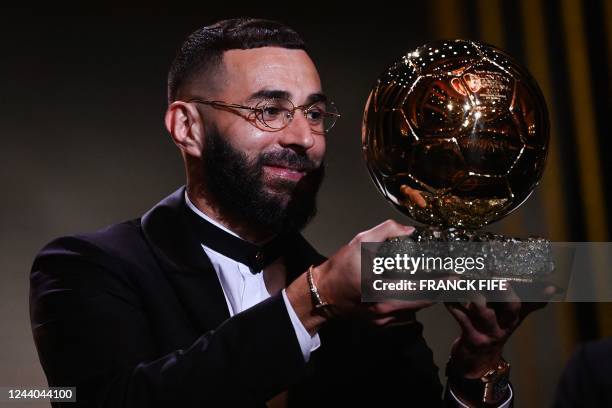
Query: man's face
[269, 69]
[270, 177]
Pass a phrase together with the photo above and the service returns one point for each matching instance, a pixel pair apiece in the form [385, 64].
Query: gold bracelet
[317, 301]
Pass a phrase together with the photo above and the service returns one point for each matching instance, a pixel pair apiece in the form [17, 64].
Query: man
[213, 298]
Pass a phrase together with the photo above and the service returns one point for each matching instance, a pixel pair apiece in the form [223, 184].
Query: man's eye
[314, 115]
[272, 111]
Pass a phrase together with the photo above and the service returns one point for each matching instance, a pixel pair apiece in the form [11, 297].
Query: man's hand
[485, 328]
[338, 281]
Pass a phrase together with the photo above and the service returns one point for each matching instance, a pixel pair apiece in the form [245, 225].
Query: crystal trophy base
[524, 260]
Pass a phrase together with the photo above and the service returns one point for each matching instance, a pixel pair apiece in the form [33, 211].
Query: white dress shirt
[243, 289]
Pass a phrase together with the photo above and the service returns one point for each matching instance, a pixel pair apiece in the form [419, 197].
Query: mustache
[288, 158]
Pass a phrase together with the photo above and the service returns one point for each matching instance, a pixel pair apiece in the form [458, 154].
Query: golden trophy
[455, 136]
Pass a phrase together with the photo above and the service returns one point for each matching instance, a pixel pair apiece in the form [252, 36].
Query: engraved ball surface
[455, 134]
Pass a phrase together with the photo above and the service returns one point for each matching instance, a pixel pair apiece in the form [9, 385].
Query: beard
[238, 187]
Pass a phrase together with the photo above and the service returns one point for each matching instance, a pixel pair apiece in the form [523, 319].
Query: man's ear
[184, 123]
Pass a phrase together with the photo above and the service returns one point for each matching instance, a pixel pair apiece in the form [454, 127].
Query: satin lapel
[299, 258]
[186, 265]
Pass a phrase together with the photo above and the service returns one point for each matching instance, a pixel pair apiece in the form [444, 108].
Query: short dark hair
[203, 50]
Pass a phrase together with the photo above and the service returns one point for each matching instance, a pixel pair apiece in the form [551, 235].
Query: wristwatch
[488, 390]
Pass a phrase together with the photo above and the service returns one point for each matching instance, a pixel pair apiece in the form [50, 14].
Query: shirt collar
[199, 212]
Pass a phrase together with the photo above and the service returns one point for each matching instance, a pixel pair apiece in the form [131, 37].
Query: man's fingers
[459, 313]
[483, 318]
[508, 313]
[397, 317]
[508, 295]
[393, 312]
[387, 229]
[384, 321]
[393, 306]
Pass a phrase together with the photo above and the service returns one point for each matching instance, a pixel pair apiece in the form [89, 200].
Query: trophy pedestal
[525, 260]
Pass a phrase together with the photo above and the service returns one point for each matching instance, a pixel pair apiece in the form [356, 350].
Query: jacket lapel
[299, 257]
[178, 251]
[187, 267]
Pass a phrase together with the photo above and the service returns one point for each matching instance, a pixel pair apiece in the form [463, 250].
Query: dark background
[83, 141]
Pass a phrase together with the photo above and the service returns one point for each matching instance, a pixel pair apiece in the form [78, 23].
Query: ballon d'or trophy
[455, 136]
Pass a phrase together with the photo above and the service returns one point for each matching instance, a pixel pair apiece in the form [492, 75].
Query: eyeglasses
[277, 113]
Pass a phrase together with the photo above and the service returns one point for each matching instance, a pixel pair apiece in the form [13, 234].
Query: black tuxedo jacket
[587, 378]
[134, 316]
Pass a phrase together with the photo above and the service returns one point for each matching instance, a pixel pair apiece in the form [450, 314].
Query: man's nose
[298, 132]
